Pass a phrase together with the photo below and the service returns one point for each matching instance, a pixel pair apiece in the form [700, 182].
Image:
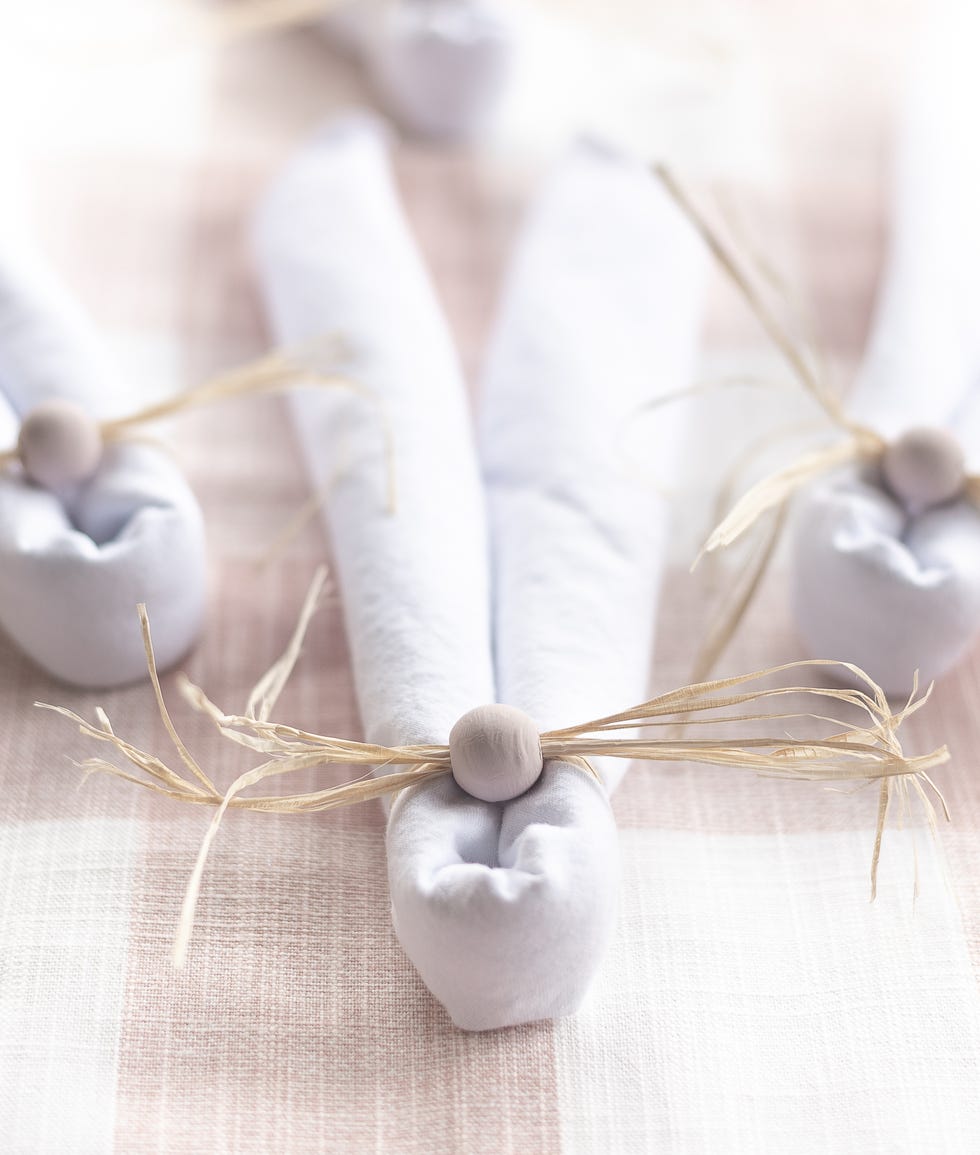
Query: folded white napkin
[503, 908]
[890, 590]
[75, 564]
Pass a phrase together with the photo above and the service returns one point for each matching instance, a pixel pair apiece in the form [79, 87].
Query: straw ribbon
[869, 752]
[275, 373]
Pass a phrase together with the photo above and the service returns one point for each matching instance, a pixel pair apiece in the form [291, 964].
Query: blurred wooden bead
[924, 467]
[59, 444]
[495, 752]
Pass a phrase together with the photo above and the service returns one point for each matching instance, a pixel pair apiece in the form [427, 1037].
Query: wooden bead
[495, 752]
[924, 467]
[59, 444]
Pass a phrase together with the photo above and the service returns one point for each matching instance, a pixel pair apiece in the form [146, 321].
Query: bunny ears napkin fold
[74, 561]
[886, 551]
[890, 588]
[505, 908]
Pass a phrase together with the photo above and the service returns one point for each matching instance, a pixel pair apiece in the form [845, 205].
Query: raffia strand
[732, 266]
[777, 488]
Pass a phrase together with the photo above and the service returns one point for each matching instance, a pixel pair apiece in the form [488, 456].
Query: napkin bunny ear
[334, 255]
[601, 312]
[73, 563]
[890, 589]
[504, 908]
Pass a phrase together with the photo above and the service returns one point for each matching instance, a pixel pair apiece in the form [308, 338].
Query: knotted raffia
[276, 372]
[870, 752]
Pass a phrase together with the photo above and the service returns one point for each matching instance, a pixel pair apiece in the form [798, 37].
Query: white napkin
[504, 909]
[870, 583]
[74, 565]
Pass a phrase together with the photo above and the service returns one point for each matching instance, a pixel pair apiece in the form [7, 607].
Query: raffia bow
[870, 752]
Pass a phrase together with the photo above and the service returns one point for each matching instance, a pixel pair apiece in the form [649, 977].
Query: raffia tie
[857, 444]
[870, 752]
[277, 372]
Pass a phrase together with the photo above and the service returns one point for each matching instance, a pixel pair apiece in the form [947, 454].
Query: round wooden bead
[495, 752]
[59, 444]
[924, 467]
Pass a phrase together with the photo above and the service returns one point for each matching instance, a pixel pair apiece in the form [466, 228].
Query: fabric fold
[892, 590]
[75, 564]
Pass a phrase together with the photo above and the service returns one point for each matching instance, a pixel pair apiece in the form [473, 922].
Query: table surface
[753, 999]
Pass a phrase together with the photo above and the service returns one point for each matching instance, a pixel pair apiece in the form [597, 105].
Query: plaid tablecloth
[753, 1001]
